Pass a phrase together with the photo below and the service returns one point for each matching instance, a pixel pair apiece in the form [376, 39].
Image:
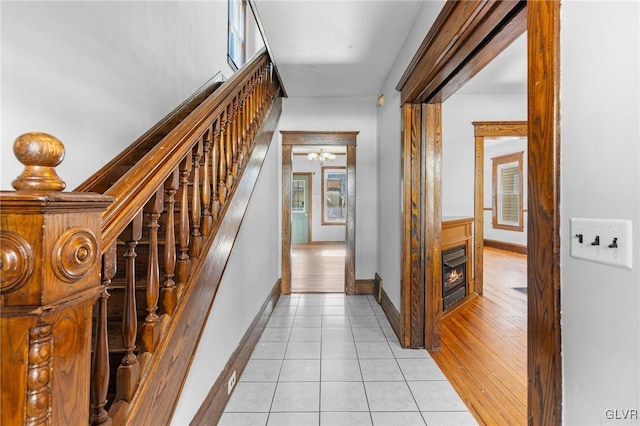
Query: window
[334, 195]
[236, 33]
[299, 196]
[507, 192]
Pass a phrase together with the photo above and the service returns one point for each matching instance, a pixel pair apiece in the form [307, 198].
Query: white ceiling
[335, 48]
[346, 48]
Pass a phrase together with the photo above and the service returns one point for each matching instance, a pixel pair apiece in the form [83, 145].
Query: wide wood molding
[432, 192]
[543, 268]
[465, 37]
[319, 138]
[482, 130]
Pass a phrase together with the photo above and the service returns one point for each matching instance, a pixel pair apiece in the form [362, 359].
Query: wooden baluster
[234, 138]
[207, 220]
[222, 158]
[100, 367]
[243, 123]
[196, 236]
[215, 155]
[129, 370]
[228, 149]
[237, 132]
[184, 263]
[168, 294]
[151, 326]
[252, 102]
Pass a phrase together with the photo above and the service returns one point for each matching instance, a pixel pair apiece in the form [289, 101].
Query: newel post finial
[40, 153]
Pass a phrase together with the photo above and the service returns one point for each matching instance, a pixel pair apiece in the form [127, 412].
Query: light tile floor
[331, 360]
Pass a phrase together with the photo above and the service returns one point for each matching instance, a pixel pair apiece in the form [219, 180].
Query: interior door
[300, 208]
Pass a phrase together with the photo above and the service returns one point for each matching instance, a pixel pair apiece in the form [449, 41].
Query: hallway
[331, 359]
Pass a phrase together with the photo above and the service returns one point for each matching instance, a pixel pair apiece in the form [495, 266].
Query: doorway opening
[318, 212]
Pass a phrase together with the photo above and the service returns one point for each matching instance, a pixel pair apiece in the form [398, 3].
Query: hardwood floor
[317, 268]
[484, 344]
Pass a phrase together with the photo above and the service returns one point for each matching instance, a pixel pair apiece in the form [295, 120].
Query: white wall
[346, 114]
[600, 178]
[389, 147]
[320, 232]
[458, 143]
[250, 274]
[492, 150]
[99, 74]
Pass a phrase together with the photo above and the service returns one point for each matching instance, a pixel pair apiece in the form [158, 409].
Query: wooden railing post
[50, 278]
[151, 326]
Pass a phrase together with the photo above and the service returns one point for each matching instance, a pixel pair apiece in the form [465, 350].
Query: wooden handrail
[139, 184]
[171, 210]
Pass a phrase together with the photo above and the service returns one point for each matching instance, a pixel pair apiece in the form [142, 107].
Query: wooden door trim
[314, 138]
[309, 176]
[482, 130]
[543, 268]
[441, 59]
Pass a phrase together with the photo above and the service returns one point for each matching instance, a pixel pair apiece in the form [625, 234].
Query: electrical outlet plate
[607, 230]
[231, 383]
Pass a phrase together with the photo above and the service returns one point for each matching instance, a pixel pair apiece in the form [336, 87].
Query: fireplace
[454, 275]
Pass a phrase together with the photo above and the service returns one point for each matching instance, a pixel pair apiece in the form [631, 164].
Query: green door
[300, 209]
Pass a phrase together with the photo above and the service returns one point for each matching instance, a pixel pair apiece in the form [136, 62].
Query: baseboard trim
[365, 287]
[393, 315]
[213, 405]
[502, 245]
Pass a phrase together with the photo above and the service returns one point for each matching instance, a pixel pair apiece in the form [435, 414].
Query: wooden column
[350, 224]
[50, 260]
[287, 172]
[412, 290]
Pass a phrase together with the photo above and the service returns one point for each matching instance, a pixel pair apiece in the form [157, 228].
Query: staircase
[137, 254]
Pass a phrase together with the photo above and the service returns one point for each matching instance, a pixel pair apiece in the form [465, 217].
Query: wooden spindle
[207, 220]
[222, 158]
[215, 155]
[196, 211]
[234, 138]
[184, 263]
[238, 132]
[228, 148]
[151, 326]
[243, 123]
[129, 370]
[100, 364]
[168, 294]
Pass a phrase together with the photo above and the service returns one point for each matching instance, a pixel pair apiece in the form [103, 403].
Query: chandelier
[321, 157]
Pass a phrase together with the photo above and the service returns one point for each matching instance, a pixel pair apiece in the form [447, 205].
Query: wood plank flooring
[317, 268]
[484, 344]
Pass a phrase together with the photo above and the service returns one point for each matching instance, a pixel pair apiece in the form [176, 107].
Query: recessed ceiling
[335, 48]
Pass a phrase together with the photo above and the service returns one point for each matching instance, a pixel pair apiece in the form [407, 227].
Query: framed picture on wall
[334, 195]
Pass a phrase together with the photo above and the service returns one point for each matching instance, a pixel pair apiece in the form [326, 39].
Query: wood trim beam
[432, 184]
[413, 278]
[482, 130]
[296, 137]
[287, 173]
[449, 55]
[350, 227]
[310, 138]
[543, 268]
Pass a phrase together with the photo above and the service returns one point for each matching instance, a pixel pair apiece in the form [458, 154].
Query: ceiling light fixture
[321, 157]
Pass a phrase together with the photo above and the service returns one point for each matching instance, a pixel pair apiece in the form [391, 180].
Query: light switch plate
[606, 230]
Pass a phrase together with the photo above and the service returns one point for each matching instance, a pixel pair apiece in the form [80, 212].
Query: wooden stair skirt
[163, 223]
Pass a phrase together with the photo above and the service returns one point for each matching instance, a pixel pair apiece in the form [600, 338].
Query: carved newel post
[50, 278]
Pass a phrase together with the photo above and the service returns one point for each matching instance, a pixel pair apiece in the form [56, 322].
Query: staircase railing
[165, 224]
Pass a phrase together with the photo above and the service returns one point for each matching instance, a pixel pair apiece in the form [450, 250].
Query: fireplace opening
[454, 275]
